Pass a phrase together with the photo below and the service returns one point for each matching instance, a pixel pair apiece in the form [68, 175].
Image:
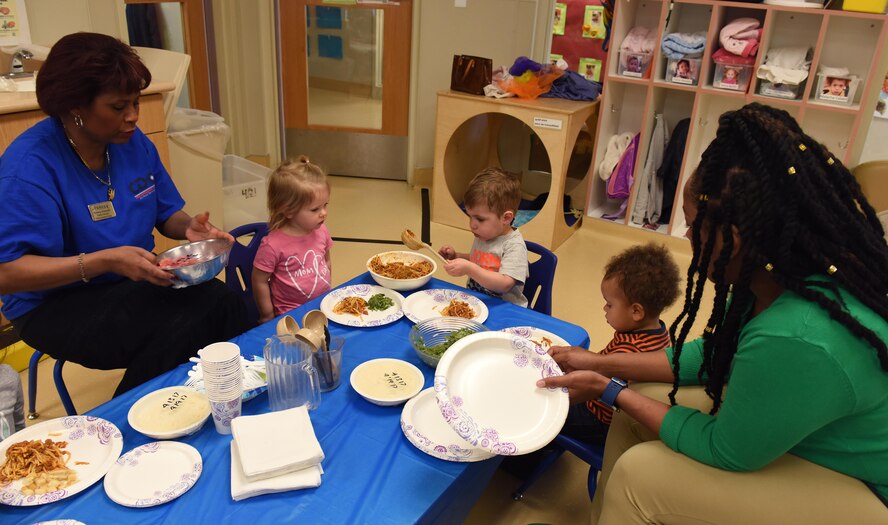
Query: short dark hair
[499, 190]
[81, 66]
[648, 275]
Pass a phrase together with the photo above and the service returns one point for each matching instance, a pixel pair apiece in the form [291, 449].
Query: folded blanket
[786, 65]
[684, 45]
[638, 40]
[723, 57]
[741, 36]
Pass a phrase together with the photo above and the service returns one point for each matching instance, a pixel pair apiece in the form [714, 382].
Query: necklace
[107, 163]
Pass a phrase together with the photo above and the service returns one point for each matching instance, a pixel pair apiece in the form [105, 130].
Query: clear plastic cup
[329, 364]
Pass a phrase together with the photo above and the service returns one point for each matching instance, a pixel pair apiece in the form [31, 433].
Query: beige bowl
[169, 413]
[404, 257]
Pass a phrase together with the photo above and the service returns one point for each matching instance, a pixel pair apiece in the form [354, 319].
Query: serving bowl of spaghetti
[401, 270]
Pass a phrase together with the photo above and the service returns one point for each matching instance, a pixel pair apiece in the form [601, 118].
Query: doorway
[345, 77]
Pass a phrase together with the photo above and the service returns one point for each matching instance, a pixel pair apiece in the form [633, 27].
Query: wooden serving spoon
[287, 326]
[409, 239]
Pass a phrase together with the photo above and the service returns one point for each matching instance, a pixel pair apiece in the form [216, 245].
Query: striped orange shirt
[627, 342]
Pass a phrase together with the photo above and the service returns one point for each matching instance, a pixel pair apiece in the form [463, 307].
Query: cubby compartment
[645, 13]
[654, 199]
[844, 39]
[787, 29]
[722, 15]
[830, 128]
[686, 19]
[624, 104]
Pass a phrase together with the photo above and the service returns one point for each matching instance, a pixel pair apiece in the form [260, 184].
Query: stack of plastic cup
[224, 382]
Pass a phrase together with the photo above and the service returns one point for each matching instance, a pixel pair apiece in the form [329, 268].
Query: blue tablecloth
[372, 474]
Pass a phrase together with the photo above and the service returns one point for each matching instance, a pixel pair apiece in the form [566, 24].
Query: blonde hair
[500, 191]
[292, 186]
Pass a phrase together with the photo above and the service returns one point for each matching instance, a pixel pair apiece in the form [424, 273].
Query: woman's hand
[582, 385]
[571, 358]
[135, 264]
[200, 228]
[447, 252]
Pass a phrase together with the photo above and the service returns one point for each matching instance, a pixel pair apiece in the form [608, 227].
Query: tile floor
[560, 495]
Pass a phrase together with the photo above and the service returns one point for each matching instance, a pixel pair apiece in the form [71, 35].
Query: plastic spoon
[409, 239]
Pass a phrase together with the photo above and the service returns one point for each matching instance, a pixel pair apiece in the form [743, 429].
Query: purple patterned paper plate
[426, 304]
[424, 426]
[365, 292]
[153, 474]
[94, 444]
[485, 385]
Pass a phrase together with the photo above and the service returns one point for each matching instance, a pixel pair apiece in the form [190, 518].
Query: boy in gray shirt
[497, 264]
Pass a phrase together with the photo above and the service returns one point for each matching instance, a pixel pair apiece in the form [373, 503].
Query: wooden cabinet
[17, 114]
[856, 41]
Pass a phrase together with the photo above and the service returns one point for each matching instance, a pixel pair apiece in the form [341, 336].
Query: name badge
[101, 211]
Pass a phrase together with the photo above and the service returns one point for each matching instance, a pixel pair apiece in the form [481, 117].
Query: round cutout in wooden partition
[472, 148]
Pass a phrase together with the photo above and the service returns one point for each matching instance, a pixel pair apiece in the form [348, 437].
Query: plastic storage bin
[683, 70]
[864, 6]
[787, 91]
[636, 65]
[732, 76]
[836, 89]
[244, 191]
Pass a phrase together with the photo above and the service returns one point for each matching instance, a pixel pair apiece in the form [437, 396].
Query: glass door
[345, 77]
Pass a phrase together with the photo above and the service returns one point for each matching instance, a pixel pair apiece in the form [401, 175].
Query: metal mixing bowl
[211, 256]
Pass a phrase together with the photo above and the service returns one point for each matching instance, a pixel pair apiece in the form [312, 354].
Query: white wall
[501, 30]
[49, 20]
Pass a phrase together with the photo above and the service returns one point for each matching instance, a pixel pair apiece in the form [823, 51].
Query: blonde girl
[292, 265]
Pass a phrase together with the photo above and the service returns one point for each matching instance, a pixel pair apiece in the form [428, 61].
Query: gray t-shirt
[12, 402]
[506, 254]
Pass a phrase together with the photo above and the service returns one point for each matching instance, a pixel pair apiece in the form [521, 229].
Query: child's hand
[458, 267]
[447, 252]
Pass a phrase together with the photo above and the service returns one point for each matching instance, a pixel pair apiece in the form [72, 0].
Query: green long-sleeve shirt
[800, 383]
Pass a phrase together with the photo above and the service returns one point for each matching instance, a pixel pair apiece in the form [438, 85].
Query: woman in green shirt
[793, 361]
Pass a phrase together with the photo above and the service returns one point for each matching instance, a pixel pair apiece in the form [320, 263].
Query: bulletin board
[578, 36]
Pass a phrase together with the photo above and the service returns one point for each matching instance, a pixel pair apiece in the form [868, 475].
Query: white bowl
[169, 413]
[404, 257]
[387, 382]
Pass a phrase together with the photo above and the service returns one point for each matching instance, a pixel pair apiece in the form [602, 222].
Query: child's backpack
[619, 184]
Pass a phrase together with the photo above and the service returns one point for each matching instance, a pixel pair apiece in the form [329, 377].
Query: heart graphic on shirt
[314, 267]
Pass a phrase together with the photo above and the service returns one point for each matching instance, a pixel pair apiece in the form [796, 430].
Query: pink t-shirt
[297, 265]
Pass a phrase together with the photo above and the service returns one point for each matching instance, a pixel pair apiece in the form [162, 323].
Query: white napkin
[276, 443]
[241, 488]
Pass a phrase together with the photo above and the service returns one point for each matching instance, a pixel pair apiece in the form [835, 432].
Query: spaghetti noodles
[351, 305]
[458, 308]
[400, 270]
[28, 458]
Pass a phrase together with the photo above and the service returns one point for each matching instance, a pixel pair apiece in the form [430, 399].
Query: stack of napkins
[274, 452]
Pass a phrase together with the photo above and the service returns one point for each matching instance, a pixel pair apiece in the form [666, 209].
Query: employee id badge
[101, 211]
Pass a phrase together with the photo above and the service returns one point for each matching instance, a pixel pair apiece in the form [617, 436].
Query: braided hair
[799, 212]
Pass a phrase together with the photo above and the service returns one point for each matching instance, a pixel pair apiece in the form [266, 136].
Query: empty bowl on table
[195, 262]
[169, 413]
[405, 258]
[435, 331]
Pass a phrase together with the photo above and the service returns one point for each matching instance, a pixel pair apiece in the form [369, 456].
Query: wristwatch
[609, 396]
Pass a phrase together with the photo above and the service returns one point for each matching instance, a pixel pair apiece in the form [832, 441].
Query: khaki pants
[643, 482]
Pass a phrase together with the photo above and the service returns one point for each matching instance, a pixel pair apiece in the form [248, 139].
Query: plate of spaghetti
[56, 459]
[426, 304]
[363, 305]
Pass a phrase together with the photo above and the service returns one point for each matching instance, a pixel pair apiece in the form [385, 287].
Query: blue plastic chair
[239, 270]
[591, 454]
[59, 382]
[542, 277]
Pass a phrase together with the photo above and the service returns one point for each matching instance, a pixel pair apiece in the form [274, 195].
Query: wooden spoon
[409, 239]
[316, 321]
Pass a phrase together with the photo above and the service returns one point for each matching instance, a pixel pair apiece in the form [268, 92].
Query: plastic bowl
[434, 331]
[211, 256]
[404, 257]
[153, 413]
[386, 381]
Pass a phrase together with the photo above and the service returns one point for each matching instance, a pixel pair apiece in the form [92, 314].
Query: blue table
[372, 474]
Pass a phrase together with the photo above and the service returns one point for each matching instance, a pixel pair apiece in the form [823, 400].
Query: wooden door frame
[195, 34]
[397, 27]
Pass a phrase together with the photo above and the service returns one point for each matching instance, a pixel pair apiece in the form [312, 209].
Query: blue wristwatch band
[609, 396]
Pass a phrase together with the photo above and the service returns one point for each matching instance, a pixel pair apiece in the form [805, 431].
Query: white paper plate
[539, 336]
[60, 522]
[93, 442]
[364, 291]
[424, 426]
[153, 473]
[424, 304]
[486, 389]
